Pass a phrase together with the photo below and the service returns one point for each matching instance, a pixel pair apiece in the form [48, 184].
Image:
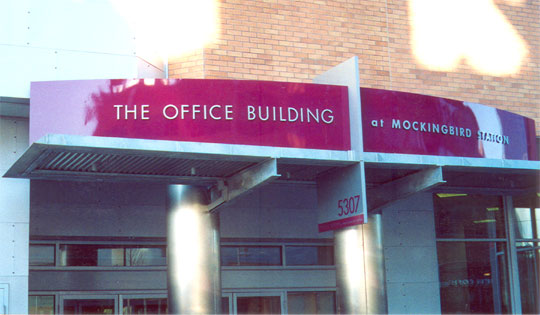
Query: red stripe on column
[341, 223]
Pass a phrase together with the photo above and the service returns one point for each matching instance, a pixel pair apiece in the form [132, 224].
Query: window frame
[125, 244]
[510, 239]
[283, 244]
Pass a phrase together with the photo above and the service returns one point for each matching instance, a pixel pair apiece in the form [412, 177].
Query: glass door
[89, 304]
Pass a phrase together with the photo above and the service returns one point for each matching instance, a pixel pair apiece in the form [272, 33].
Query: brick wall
[297, 40]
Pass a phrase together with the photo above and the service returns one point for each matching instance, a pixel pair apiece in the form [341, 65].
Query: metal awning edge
[196, 148]
[41, 151]
[392, 159]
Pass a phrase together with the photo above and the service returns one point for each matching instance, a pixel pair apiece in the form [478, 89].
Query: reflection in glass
[473, 277]
[91, 255]
[146, 256]
[311, 302]
[468, 216]
[251, 255]
[527, 215]
[309, 255]
[145, 306]
[111, 255]
[89, 306]
[529, 276]
[41, 304]
[41, 255]
[527, 227]
[258, 305]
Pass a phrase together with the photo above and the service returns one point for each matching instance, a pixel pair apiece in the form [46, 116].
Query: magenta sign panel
[278, 114]
[398, 122]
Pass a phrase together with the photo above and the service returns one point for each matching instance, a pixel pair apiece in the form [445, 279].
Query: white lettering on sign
[431, 128]
[227, 112]
[133, 111]
[492, 137]
[445, 129]
[212, 115]
[328, 118]
[289, 114]
[166, 111]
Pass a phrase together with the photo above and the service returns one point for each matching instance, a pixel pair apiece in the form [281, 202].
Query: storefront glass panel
[469, 216]
[527, 227]
[473, 277]
[41, 304]
[472, 251]
[529, 272]
[527, 222]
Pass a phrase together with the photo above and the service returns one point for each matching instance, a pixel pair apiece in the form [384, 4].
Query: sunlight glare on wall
[170, 27]
[447, 32]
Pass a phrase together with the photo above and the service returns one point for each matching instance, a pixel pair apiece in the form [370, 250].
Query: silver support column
[360, 272]
[512, 259]
[193, 272]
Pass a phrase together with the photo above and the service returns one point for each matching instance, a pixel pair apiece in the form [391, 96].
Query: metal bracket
[241, 182]
[404, 187]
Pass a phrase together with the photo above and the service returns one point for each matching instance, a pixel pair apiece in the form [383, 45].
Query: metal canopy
[61, 157]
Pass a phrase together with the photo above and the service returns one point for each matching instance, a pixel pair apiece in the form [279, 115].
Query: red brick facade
[297, 40]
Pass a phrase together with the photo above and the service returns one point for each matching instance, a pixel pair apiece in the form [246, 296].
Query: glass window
[145, 306]
[311, 302]
[309, 255]
[112, 255]
[41, 304]
[258, 305]
[527, 227]
[473, 277]
[529, 270]
[91, 255]
[251, 255]
[146, 256]
[41, 255]
[527, 214]
[468, 216]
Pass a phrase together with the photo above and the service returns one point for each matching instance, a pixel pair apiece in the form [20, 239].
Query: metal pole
[360, 273]
[513, 271]
[193, 272]
[375, 268]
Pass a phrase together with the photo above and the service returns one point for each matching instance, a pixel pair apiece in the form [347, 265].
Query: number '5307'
[348, 205]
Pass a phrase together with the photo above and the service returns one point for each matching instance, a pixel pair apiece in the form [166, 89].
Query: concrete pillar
[193, 253]
[360, 273]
